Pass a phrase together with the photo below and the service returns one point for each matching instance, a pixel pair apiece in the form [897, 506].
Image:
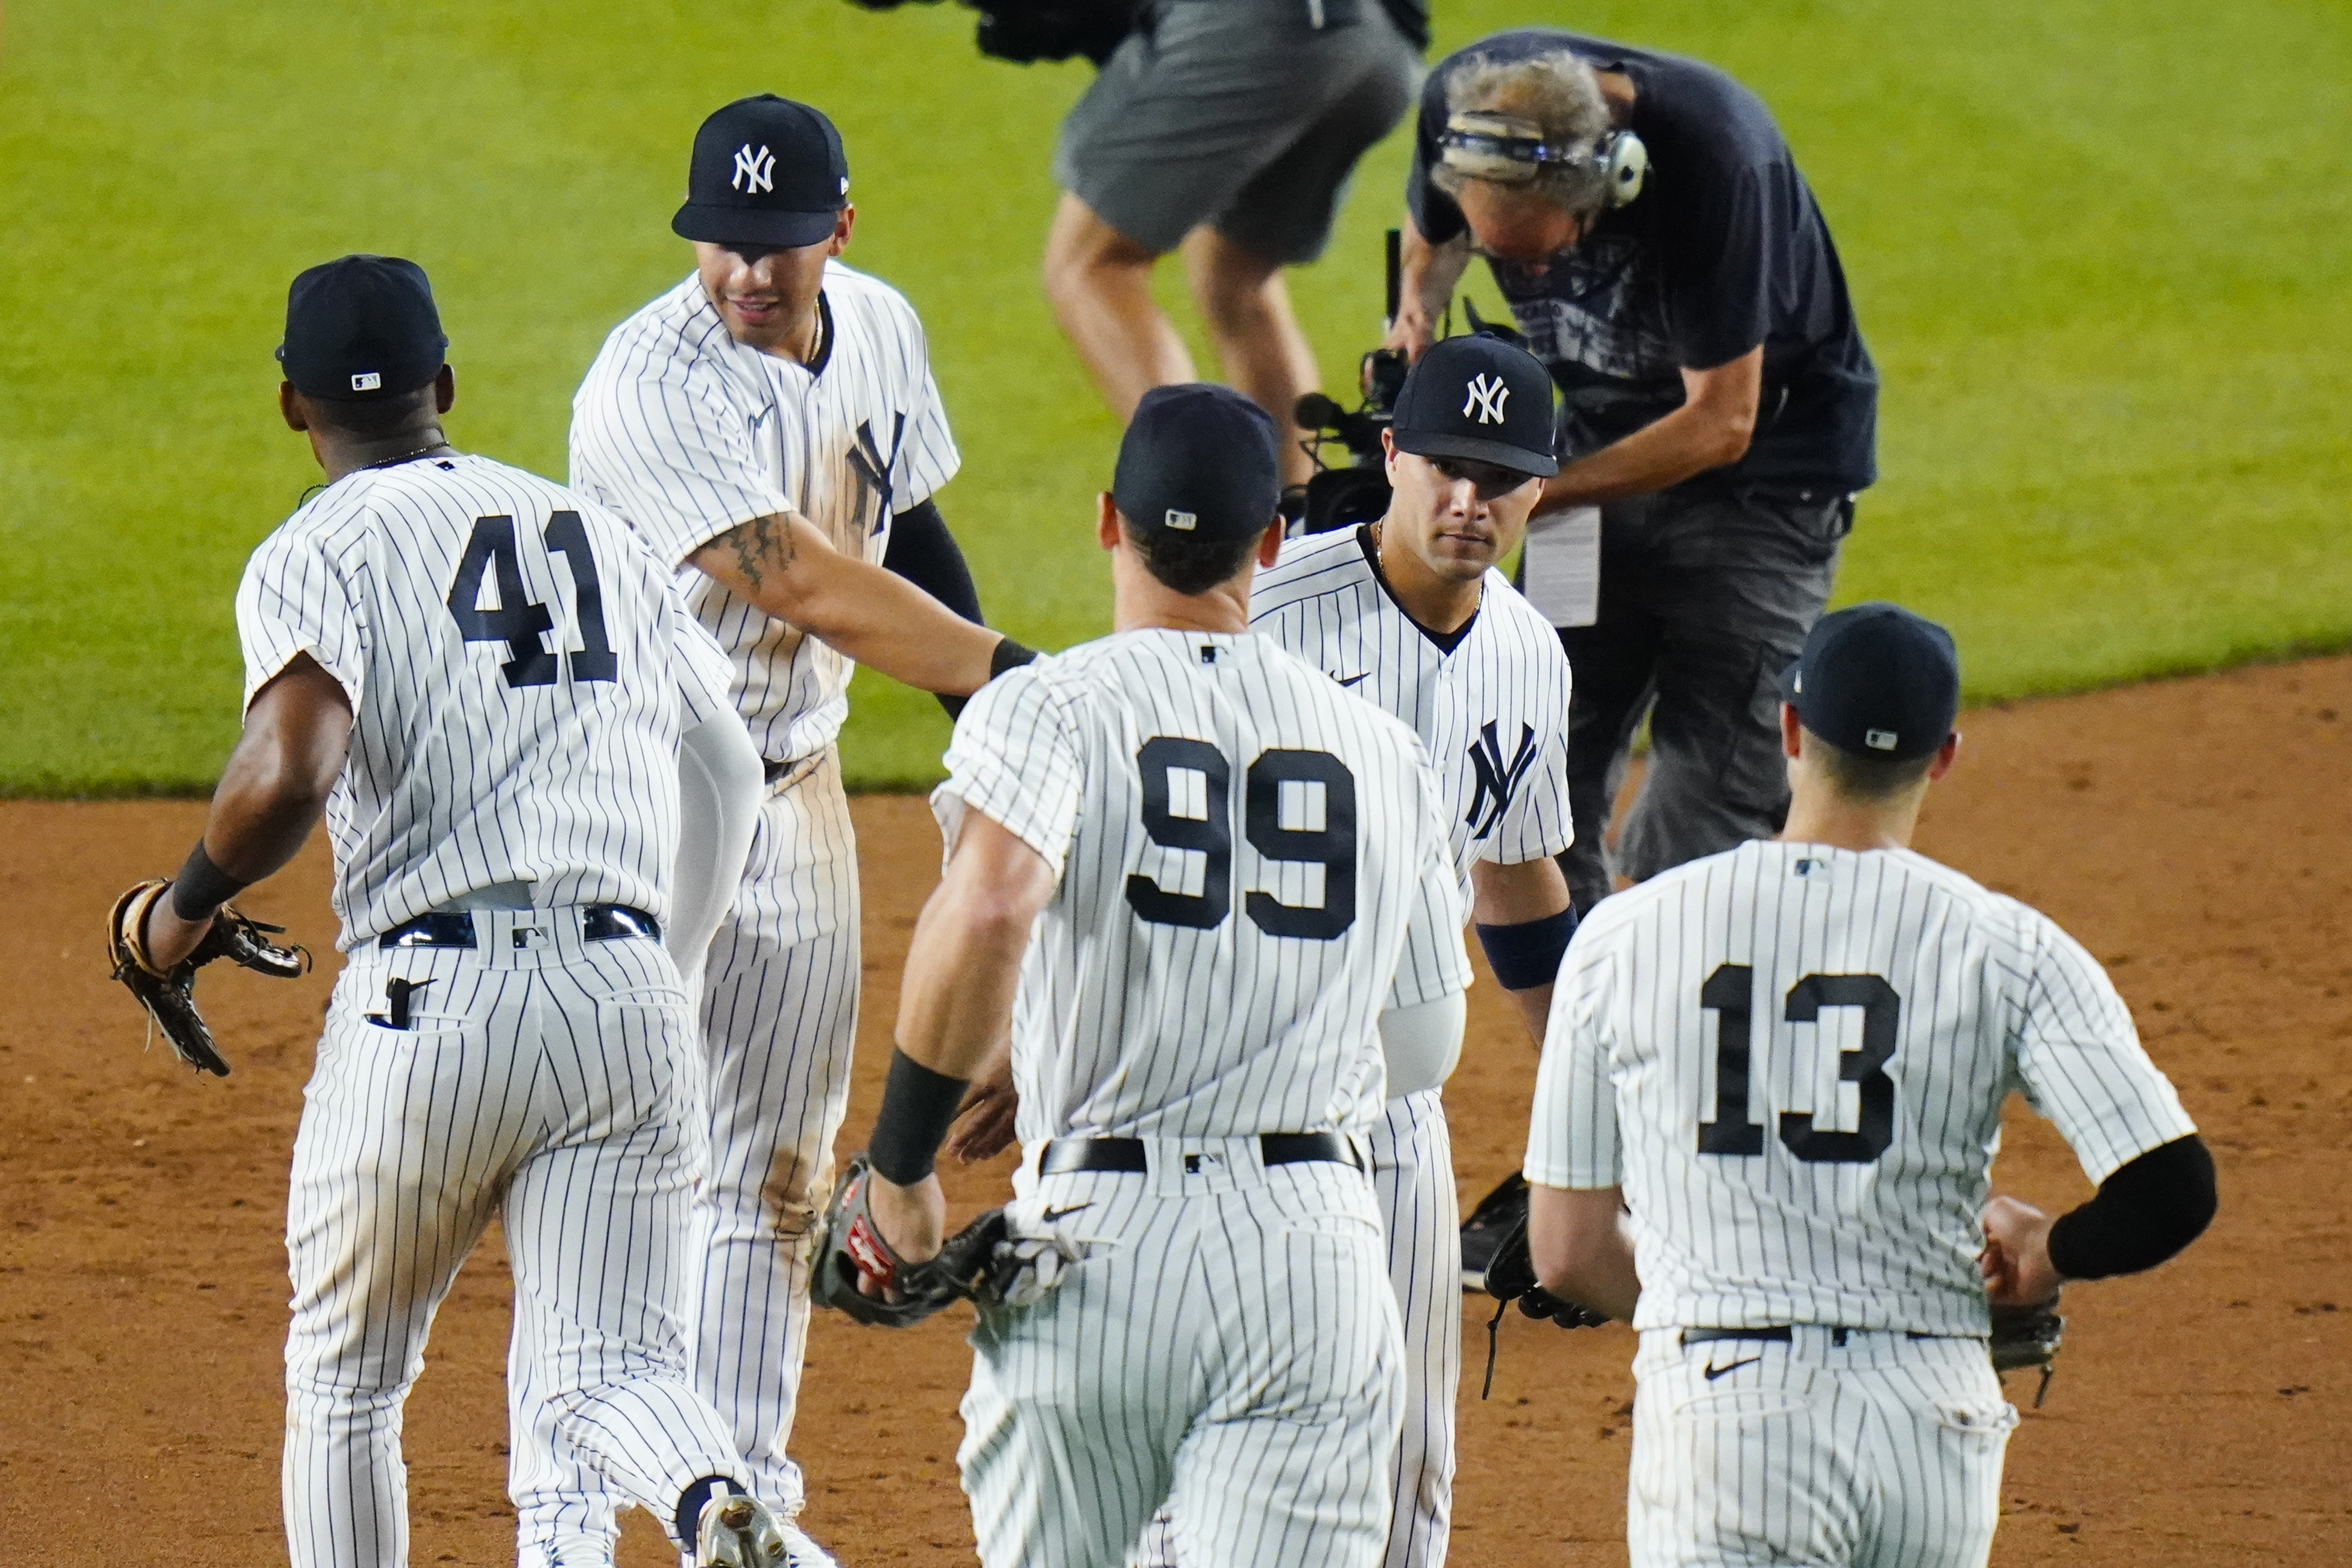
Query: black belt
[1782, 1333]
[1064, 1155]
[598, 923]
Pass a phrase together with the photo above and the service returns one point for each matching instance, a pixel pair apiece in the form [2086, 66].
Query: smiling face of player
[1449, 519]
[767, 294]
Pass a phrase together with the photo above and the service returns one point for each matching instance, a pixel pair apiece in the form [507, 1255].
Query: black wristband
[1526, 956]
[202, 887]
[1009, 655]
[919, 1105]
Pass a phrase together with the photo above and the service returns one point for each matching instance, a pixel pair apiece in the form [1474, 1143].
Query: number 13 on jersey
[1728, 994]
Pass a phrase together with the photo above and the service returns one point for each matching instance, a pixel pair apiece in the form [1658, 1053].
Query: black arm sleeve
[2148, 1210]
[922, 551]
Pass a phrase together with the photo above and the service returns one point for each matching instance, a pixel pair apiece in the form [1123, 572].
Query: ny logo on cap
[754, 172]
[366, 380]
[1487, 395]
[1185, 520]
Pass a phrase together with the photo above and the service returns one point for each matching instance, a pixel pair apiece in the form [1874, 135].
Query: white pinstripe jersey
[519, 668]
[1793, 1059]
[1492, 712]
[686, 433]
[1249, 861]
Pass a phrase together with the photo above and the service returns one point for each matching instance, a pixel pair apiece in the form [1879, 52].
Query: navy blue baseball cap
[1878, 680]
[766, 170]
[1479, 398]
[361, 328]
[1198, 459]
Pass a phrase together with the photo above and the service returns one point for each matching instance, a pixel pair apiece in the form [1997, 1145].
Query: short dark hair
[1185, 565]
[1860, 776]
[369, 417]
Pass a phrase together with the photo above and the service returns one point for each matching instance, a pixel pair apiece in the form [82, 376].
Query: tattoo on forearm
[764, 544]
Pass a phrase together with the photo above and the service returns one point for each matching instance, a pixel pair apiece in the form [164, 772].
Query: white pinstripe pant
[1413, 1171]
[1229, 1347]
[1883, 1453]
[549, 1082]
[779, 1024]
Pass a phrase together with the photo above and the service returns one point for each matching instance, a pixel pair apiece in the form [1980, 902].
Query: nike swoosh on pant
[1352, 680]
[1715, 1372]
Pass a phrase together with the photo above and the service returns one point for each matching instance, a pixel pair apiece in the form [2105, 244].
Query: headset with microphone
[1506, 150]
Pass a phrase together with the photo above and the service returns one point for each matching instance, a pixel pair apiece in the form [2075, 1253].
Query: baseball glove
[1511, 1277]
[169, 995]
[2027, 1339]
[977, 1264]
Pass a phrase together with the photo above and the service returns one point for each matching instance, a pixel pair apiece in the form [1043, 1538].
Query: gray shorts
[1243, 114]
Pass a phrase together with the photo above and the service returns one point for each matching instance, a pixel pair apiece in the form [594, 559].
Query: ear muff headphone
[1506, 150]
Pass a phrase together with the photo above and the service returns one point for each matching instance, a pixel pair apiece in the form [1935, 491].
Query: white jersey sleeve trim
[1572, 1142]
[2080, 1061]
[294, 598]
[1434, 964]
[1014, 760]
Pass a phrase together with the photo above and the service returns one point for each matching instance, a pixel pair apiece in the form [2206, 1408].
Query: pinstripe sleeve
[706, 680]
[295, 598]
[1536, 824]
[928, 458]
[1433, 965]
[671, 453]
[1572, 1136]
[1015, 762]
[2080, 1062]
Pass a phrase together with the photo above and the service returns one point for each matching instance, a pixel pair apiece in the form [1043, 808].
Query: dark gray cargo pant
[1705, 600]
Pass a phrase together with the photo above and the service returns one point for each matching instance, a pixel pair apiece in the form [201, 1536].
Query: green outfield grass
[2098, 247]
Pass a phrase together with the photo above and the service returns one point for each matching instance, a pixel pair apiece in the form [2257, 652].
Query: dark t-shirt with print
[1724, 249]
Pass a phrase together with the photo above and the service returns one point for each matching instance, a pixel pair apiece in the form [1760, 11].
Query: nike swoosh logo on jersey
[1715, 1372]
[1053, 1215]
[1352, 680]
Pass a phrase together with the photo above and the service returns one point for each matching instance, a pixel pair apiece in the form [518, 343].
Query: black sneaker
[1482, 1232]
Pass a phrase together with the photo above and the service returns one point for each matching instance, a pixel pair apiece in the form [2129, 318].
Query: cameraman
[1228, 127]
[1644, 218]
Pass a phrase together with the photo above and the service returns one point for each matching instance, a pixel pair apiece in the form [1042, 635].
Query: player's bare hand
[912, 1219]
[985, 1125]
[170, 939]
[1410, 332]
[2016, 1256]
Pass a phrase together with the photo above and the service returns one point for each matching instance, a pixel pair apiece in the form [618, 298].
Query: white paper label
[1563, 565]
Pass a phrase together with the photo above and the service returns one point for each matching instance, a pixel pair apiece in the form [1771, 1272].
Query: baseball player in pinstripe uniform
[1790, 1060]
[1410, 614]
[1205, 869]
[772, 424]
[485, 681]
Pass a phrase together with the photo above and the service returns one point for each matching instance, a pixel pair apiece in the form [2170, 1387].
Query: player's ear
[1269, 544]
[289, 407]
[1106, 521]
[1389, 454]
[445, 389]
[1793, 733]
[841, 227]
[1946, 755]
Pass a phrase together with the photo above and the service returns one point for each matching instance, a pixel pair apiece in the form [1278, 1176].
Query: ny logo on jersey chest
[872, 468]
[1497, 779]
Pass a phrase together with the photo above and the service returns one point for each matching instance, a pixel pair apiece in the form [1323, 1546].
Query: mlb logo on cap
[366, 380]
[1187, 521]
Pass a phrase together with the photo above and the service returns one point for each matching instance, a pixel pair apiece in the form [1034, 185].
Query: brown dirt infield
[2196, 834]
